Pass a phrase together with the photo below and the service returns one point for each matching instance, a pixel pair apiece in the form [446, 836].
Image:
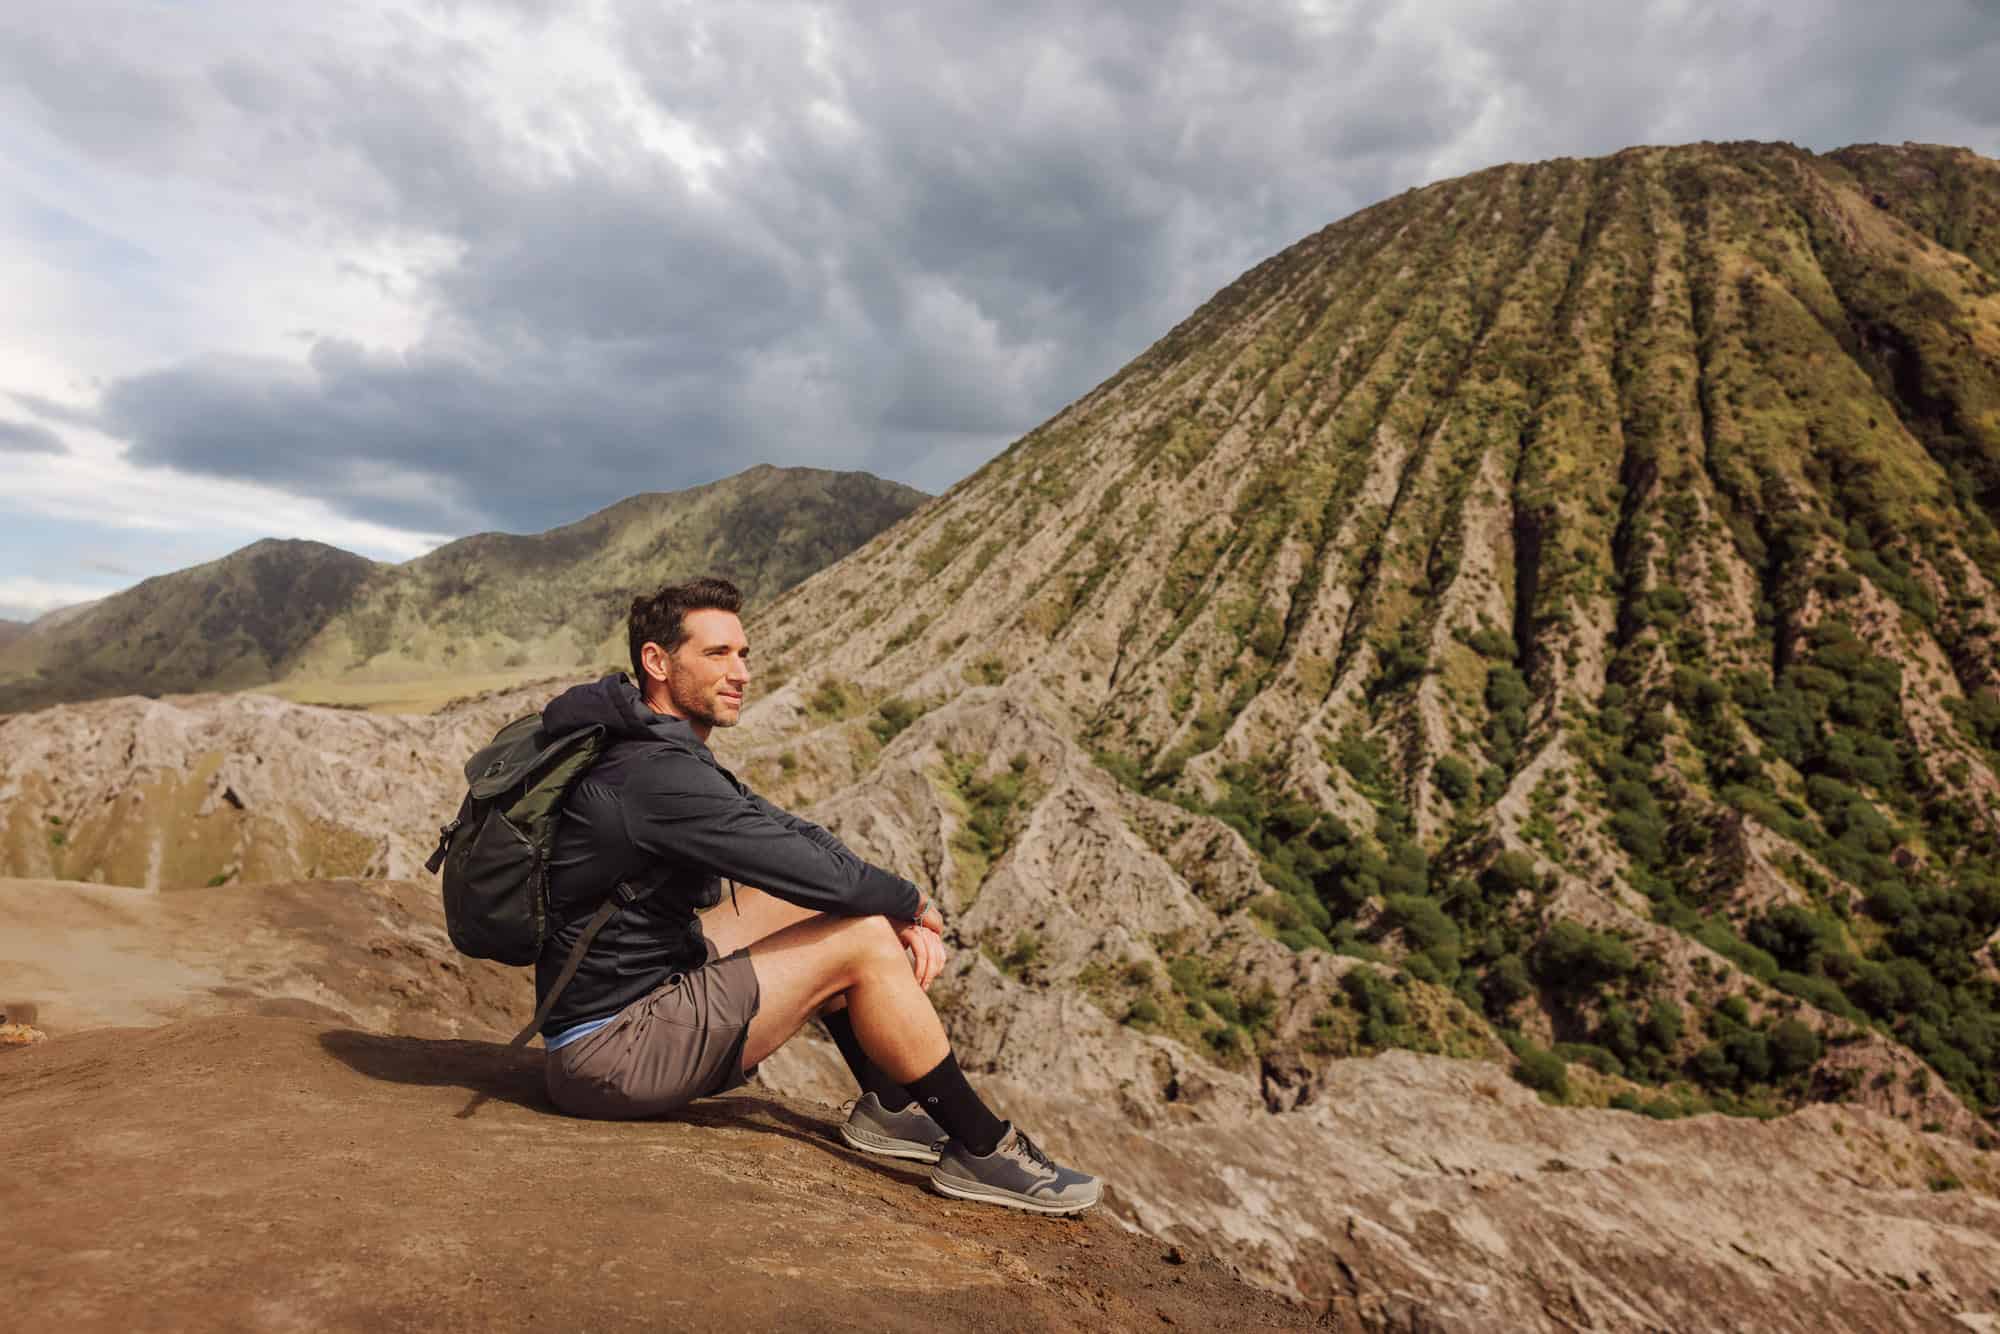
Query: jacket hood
[614, 704]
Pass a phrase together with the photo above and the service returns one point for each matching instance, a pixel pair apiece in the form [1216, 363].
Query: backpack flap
[556, 768]
[500, 763]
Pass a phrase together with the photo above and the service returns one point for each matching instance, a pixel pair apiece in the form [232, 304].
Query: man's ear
[654, 659]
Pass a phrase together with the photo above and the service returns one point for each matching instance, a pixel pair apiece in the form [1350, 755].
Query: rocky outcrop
[190, 790]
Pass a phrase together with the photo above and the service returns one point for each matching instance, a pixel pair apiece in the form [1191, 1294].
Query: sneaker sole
[884, 1147]
[978, 1194]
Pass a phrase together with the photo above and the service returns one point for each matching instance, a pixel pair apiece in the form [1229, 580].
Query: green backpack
[495, 852]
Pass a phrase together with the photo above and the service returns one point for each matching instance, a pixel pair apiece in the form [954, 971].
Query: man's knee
[871, 939]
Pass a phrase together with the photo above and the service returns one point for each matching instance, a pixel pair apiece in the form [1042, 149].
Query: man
[667, 1006]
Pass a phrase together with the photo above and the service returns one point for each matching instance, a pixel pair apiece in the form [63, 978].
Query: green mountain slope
[1575, 582]
[313, 617]
[557, 601]
[228, 624]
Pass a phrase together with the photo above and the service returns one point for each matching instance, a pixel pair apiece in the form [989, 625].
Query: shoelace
[1033, 1150]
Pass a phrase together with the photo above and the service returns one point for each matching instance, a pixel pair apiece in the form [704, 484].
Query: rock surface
[373, 953]
[291, 1174]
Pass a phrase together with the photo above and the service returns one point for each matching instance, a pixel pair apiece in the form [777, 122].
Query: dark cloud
[28, 438]
[51, 410]
[423, 442]
[928, 232]
[927, 226]
[107, 101]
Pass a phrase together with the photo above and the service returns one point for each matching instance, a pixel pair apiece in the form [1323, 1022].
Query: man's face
[704, 679]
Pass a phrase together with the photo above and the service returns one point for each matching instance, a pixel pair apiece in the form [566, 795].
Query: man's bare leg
[803, 966]
[756, 915]
[753, 916]
[800, 967]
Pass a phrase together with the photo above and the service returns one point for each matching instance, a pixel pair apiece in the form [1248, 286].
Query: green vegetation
[1383, 1012]
[833, 700]
[994, 806]
[1231, 1024]
[987, 671]
[892, 716]
[1764, 484]
[1454, 778]
[1020, 958]
[1541, 1070]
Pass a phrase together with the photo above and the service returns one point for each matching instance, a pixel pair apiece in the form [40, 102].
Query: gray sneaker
[909, 1133]
[1016, 1174]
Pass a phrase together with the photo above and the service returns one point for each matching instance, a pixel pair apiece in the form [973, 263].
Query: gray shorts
[677, 1043]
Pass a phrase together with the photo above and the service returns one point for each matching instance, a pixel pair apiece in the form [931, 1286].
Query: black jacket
[656, 809]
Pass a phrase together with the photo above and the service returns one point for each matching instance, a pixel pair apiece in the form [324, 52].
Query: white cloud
[24, 597]
[94, 483]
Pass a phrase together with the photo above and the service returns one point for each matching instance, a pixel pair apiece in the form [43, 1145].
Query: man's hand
[926, 947]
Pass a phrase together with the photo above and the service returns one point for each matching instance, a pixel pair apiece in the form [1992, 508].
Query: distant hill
[230, 623]
[11, 631]
[493, 605]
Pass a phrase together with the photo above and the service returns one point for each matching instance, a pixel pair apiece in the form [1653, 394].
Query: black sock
[893, 1096]
[953, 1105]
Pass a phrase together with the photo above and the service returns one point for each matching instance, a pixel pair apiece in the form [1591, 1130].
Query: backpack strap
[622, 896]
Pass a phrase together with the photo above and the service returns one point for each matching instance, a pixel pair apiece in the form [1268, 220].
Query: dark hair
[662, 618]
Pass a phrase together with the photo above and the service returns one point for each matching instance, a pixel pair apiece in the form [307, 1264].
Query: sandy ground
[283, 1174]
[367, 952]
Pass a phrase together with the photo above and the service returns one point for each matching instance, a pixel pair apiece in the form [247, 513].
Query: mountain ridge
[489, 607]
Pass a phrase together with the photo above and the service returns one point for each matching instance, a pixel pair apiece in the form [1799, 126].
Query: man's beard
[701, 710]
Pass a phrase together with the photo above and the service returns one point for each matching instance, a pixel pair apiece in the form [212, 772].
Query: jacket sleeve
[819, 834]
[686, 811]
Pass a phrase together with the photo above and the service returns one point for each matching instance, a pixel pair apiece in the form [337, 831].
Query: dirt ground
[287, 1174]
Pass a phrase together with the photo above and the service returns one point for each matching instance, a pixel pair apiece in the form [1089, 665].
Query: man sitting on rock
[668, 1006]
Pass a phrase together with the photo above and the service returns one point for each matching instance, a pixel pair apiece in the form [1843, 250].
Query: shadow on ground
[490, 1071]
[495, 1072]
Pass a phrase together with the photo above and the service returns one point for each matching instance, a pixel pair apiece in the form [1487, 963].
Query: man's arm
[683, 809]
[800, 825]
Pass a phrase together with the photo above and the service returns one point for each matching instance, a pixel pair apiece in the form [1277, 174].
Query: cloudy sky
[386, 273]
